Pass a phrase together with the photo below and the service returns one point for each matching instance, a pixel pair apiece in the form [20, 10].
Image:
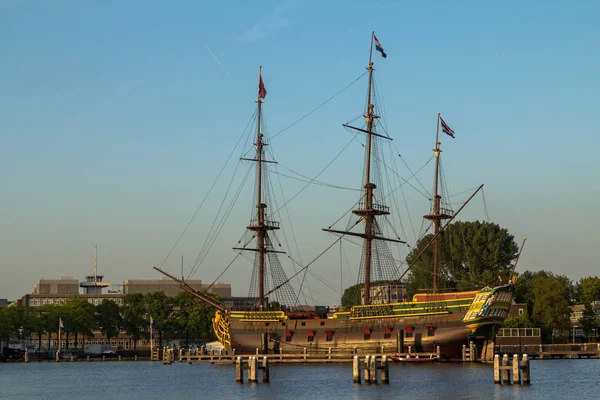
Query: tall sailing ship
[432, 318]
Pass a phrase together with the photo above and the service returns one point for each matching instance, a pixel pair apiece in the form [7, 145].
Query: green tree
[550, 295]
[472, 254]
[160, 308]
[79, 318]
[4, 325]
[40, 322]
[194, 316]
[521, 321]
[108, 318]
[588, 290]
[352, 295]
[588, 320]
[134, 316]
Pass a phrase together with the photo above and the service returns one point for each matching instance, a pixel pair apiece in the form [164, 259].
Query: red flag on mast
[262, 92]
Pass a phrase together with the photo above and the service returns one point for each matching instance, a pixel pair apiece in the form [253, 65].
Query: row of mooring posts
[515, 372]
[253, 366]
[371, 368]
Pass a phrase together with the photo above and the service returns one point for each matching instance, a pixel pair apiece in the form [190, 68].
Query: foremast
[368, 209]
[261, 224]
[438, 214]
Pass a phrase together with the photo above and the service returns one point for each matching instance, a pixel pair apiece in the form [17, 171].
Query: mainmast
[438, 213]
[368, 209]
[367, 212]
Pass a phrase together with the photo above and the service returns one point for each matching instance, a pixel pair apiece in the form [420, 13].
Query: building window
[408, 334]
[303, 324]
[311, 338]
[431, 331]
[329, 335]
[520, 311]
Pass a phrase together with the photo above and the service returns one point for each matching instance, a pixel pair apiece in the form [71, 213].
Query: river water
[550, 379]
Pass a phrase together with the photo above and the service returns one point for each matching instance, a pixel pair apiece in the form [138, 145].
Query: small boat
[417, 359]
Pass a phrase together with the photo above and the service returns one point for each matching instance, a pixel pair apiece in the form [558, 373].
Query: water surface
[551, 379]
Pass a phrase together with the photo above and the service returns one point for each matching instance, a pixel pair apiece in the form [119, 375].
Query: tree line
[180, 316]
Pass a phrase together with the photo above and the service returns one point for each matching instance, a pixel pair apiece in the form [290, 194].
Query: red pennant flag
[262, 92]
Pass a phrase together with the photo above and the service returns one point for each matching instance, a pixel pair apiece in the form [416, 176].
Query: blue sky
[117, 116]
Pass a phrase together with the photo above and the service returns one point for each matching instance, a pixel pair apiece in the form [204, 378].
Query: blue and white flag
[379, 48]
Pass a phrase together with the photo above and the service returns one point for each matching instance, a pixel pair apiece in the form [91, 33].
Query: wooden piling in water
[373, 369]
[385, 370]
[505, 371]
[516, 370]
[525, 372]
[26, 357]
[57, 356]
[367, 371]
[252, 369]
[239, 370]
[356, 378]
[497, 378]
[265, 369]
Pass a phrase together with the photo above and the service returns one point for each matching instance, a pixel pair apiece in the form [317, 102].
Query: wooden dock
[550, 351]
[304, 357]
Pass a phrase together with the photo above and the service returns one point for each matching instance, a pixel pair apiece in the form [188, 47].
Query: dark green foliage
[133, 316]
[472, 255]
[351, 296]
[588, 320]
[588, 290]
[159, 307]
[522, 321]
[548, 298]
[108, 318]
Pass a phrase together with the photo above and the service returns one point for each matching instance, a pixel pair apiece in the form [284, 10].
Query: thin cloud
[217, 60]
[271, 22]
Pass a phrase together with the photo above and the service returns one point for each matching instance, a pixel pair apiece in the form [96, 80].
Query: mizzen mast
[368, 209]
[438, 213]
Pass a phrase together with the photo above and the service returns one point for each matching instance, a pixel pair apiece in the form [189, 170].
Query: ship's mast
[368, 210]
[260, 225]
[437, 214]
[368, 205]
[260, 207]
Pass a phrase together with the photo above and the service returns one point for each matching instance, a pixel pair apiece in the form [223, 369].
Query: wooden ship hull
[446, 320]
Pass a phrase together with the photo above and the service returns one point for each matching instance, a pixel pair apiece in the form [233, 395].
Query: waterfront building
[171, 288]
[576, 332]
[66, 285]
